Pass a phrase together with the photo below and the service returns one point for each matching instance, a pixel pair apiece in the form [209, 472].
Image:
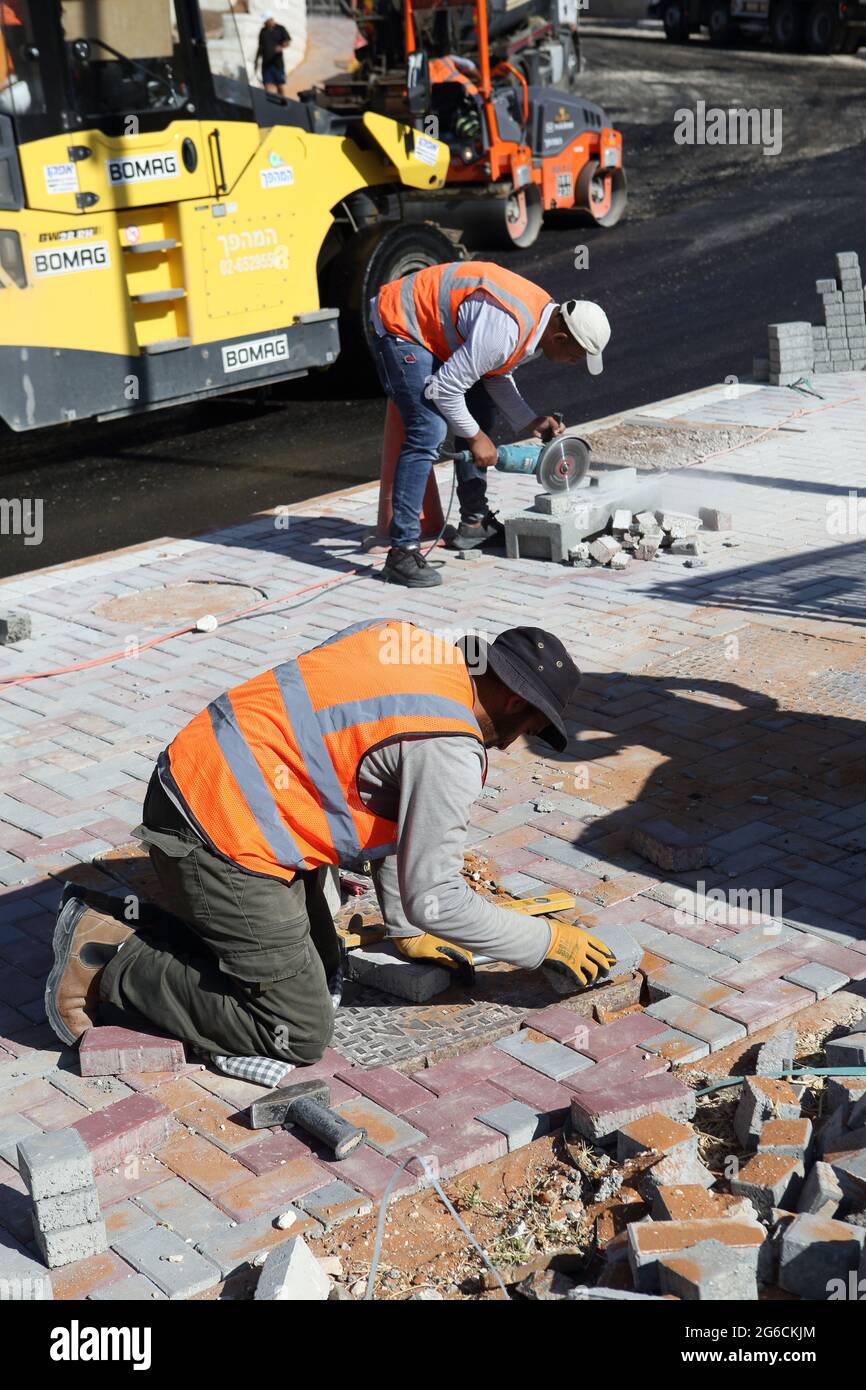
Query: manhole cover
[178, 603]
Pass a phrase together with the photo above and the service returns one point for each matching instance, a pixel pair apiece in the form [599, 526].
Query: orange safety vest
[446, 70]
[424, 306]
[268, 772]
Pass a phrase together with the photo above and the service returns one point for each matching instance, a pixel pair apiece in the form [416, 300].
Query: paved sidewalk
[727, 701]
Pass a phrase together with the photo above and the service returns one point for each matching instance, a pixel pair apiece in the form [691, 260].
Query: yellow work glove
[444, 953]
[575, 959]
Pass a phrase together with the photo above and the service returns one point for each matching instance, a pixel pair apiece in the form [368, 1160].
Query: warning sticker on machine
[277, 178]
[426, 150]
[238, 357]
[142, 168]
[61, 178]
[67, 260]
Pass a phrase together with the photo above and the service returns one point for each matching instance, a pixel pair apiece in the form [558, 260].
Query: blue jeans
[403, 368]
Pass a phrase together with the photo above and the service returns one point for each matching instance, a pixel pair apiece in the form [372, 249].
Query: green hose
[783, 1076]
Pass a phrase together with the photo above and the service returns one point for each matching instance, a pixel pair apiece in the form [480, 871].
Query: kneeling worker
[446, 342]
[370, 746]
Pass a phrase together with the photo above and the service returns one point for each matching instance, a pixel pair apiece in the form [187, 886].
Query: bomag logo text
[67, 260]
[143, 168]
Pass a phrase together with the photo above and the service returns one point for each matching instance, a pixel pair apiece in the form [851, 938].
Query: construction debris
[67, 1221]
[291, 1273]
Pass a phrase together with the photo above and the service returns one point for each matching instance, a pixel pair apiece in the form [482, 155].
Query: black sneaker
[409, 568]
[486, 531]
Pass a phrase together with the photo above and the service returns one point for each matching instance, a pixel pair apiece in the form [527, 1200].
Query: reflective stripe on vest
[269, 771]
[405, 306]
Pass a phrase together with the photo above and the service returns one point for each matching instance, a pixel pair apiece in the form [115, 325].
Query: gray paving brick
[179, 1207]
[518, 1122]
[550, 1058]
[712, 1028]
[54, 1164]
[132, 1289]
[680, 951]
[173, 1266]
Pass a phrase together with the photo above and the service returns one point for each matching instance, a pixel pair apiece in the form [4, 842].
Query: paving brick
[680, 951]
[652, 1241]
[371, 1172]
[95, 1093]
[846, 1051]
[134, 1288]
[387, 1087]
[769, 1180]
[790, 1137]
[762, 1099]
[624, 945]
[598, 1114]
[110, 1051]
[677, 1047]
[538, 1092]
[130, 1128]
[541, 1054]
[273, 1150]
[693, 1202]
[201, 1163]
[256, 1196]
[709, 1271]
[63, 1247]
[821, 1193]
[56, 1113]
[444, 1112]
[233, 1249]
[675, 1143]
[213, 1120]
[19, 1099]
[768, 936]
[777, 1054]
[385, 1132]
[72, 1209]
[764, 1004]
[708, 1025]
[335, 1203]
[123, 1218]
[849, 1169]
[180, 1207]
[458, 1072]
[518, 1122]
[700, 989]
[816, 1251]
[174, 1267]
[380, 967]
[619, 1036]
[121, 1184]
[22, 1277]
[561, 1024]
[80, 1279]
[461, 1147]
[54, 1164]
[843, 1093]
[13, 1129]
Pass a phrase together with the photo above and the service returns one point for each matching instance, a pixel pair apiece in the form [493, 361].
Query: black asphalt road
[718, 242]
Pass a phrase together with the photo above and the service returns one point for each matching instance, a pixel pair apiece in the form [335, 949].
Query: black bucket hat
[536, 666]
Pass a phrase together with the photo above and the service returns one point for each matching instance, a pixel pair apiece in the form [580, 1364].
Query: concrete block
[787, 332]
[110, 1051]
[769, 1180]
[62, 1247]
[844, 1093]
[621, 520]
[620, 561]
[670, 847]
[177, 1269]
[709, 1271]
[579, 554]
[518, 1122]
[553, 503]
[335, 1203]
[763, 1099]
[54, 1164]
[825, 286]
[72, 1209]
[385, 1132]
[382, 968]
[652, 1241]
[693, 1202]
[776, 1055]
[604, 549]
[14, 627]
[847, 260]
[548, 1057]
[849, 1169]
[821, 1193]
[646, 549]
[714, 520]
[817, 1254]
[706, 1024]
[792, 1138]
[598, 1114]
[532, 535]
[676, 1145]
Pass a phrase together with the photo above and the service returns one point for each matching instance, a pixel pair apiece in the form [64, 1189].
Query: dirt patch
[657, 448]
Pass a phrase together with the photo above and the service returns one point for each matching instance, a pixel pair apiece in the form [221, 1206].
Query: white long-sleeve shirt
[490, 336]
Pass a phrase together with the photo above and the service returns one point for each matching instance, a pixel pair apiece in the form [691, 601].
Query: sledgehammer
[306, 1104]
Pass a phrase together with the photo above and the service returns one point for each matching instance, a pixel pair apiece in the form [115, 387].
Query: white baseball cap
[588, 325]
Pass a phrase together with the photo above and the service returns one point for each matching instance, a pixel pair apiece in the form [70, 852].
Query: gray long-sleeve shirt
[428, 786]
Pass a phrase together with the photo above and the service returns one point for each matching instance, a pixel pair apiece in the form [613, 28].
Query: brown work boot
[84, 942]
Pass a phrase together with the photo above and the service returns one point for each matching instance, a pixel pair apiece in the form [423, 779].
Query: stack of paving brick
[67, 1222]
[836, 345]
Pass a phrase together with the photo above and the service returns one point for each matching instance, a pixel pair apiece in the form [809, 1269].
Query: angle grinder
[559, 464]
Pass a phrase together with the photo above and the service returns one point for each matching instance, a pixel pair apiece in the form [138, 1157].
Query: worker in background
[446, 342]
[274, 39]
[371, 746]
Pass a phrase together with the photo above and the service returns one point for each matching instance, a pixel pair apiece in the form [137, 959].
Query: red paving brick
[454, 1109]
[619, 1036]
[535, 1090]
[110, 1051]
[130, 1179]
[387, 1087]
[766, 1003]
[201, 1163]
[128, 1129]
[563, 1025]
[272, 1150]
[371, 1172]
[459, 1072]
[259, 1195]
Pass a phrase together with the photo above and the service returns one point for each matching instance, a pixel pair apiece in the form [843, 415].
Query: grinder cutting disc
[562, 463]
